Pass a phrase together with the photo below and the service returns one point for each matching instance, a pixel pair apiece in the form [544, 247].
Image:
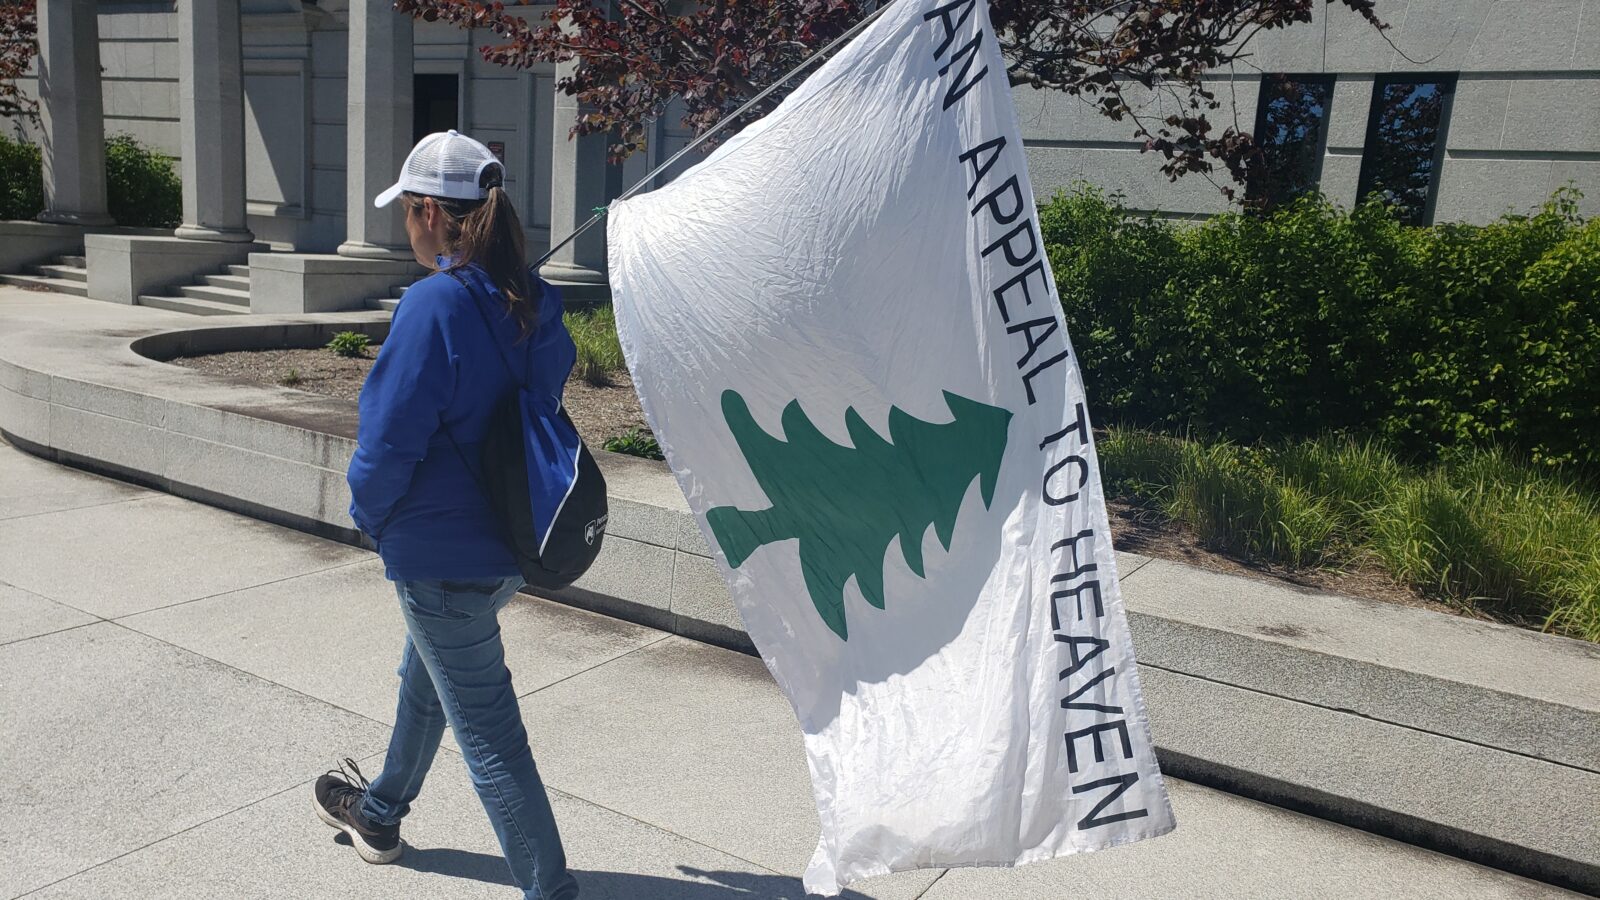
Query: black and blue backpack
[541, 481]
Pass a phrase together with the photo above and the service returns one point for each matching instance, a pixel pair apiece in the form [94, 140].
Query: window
[1405, 142]
[435, 104]
[1291, 130]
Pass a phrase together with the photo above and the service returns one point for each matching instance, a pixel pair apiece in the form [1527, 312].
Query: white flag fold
[848, 340]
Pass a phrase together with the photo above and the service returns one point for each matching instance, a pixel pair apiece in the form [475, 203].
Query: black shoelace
[357, 783]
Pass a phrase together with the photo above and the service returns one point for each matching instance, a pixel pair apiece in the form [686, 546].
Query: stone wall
[1525, 118]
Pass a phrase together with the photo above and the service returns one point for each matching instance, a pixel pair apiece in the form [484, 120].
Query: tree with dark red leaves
[19, 31]
[1139, 61]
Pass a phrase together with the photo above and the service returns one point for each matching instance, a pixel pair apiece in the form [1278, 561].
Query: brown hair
[488, 233]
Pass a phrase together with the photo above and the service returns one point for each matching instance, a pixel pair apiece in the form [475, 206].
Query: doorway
[435, 104]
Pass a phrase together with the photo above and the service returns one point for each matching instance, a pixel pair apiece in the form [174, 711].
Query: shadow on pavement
[617, 885]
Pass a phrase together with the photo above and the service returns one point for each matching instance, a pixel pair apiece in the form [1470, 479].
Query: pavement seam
[48, 633]
[605, 662]
[247, 673]
[181, 832]
[69, 509]
[237, 590]
[664, 830]
[1370, 718]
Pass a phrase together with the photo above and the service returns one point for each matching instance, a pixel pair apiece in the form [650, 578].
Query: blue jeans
[454, 671]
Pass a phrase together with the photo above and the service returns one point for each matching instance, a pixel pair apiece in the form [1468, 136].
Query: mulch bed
[603, 412]
[600, 413]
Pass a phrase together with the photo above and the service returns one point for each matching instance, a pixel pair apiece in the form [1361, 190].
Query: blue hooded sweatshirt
[441, 368]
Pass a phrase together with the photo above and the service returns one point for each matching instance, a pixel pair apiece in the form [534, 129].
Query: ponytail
[488, 233]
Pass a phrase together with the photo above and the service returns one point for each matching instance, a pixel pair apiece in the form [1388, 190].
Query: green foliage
[143, 189]
[1312, 319]
[635, 442]
[291, 378]
[1483, 528]
[350, 344]
[21, 181]
[599, 350]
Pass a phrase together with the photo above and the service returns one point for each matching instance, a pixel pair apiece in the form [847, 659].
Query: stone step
[385, 304]
[196, 307]
[59, 285]
[75, 261]
[241, 271]
[217, 295]
[64, 272]
[231, 282]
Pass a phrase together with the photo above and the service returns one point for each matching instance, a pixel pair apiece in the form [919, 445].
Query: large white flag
[847, 337]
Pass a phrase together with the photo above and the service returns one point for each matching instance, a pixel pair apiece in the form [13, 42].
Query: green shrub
[599, 350]
[142, 188]
[1312, 319]
[1486, 529]
[635, 442]
[1481, 528]
[21, 182]
[350, 344]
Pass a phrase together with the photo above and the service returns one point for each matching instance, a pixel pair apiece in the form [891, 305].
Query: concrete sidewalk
[174, 677]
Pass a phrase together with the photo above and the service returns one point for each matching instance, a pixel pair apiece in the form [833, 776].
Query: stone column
[71, 113]
[580, 181]
[211, 119]
[378, 133]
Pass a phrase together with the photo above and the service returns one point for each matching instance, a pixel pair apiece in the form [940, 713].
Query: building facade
[1461, 111]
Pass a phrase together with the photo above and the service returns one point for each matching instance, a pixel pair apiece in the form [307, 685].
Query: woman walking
[463, 337]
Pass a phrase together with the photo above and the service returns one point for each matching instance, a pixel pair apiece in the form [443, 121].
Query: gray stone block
[1348, 112]
[1515, 37]
[291, 283]
[1387, 662]
[110, 445]
[1479, 189]
[701, 604]
[1129, 563]
[638, 574]
[155, 739]
[1497, 808]
[1478, 114]
[205, 469]
[25, 418]
[24, 244]
[1552, 116]
[122, 268]
[115, 401]
[690, 538]
[642, 522]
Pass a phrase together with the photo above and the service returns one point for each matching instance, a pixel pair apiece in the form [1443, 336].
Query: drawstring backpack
[541, 481]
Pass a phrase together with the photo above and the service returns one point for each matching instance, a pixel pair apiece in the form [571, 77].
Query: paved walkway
[174, 677]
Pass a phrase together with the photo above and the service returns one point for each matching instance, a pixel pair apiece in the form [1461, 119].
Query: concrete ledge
[293, 283]
[122, 267]
[1467, 737]
[24, 244]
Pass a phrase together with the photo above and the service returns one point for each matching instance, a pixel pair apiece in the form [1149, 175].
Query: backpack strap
[478, 305]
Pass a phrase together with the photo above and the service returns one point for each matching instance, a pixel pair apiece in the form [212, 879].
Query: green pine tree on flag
[845, 504]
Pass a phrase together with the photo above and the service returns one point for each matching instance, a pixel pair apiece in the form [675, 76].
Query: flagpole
[706, 135]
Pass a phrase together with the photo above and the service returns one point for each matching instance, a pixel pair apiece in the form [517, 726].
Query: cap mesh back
[447, 165]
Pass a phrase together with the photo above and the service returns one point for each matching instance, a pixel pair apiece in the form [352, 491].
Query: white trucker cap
[444, 164]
